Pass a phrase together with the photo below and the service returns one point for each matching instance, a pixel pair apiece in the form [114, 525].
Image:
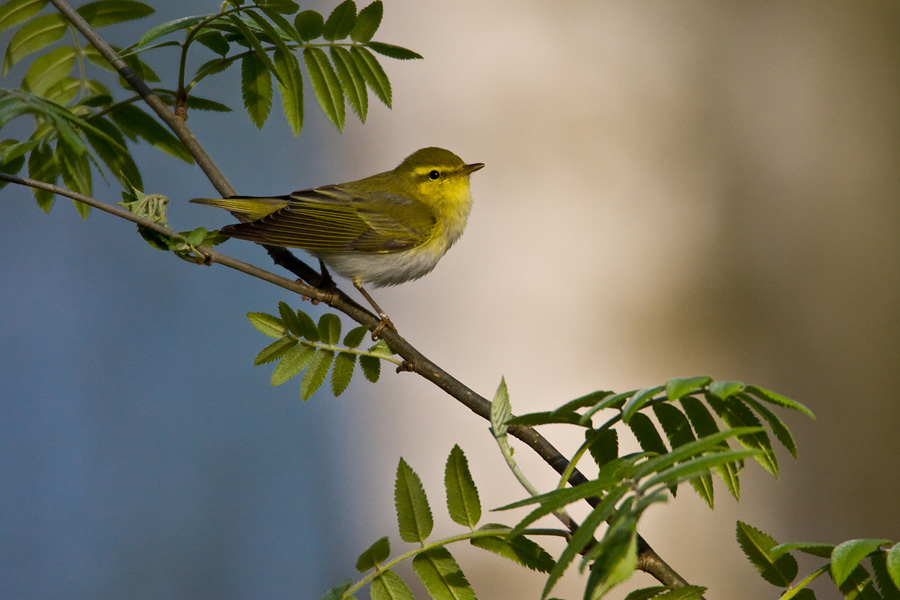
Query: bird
[382, 230]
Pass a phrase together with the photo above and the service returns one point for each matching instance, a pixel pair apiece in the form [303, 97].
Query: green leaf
[413, 513]
[757, 546]
[290, 319]
[246, 35]
[847, 556]
[694, 468]
[584, 401]
[606, 400]
[372, 72]
[376, 554]
[547, 418]
[287, 7]
[291, 89]
[603, 445]
[119, 162]
[462, 495]
[616, 560]
[76, 169]
[441, 575]
[49, 69]
[778, 399]
[678, 387]
[858, 586]
[704, 425]
[367, 22]
[736, 414]
[215, 41]
[157, 31]
[392, 51]
[64, 90]
[135, 123]
[274, 351]
[710, 443]
[256, 89]
[109, 12]
[329, 329]
[646, 593]
[678, 431]
[352, 80]
[688, 592]
[501, 410]
[309, 24]
[42, 166]
[893, 564]
[782, 433]
[390, 586]
[326, 85]
[308, 327]
[647, 436]
[340, 22]
[33, 36]
[889, 590]
[294, 360]
[637, 401]
[371, 367]
[724, 389]
[519, 549]
[316, 373]
[355, 336]
[342, 372]
[14, 12]
[337, 592]
[813, 549]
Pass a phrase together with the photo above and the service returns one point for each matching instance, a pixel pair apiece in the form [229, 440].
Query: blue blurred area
[141, 454]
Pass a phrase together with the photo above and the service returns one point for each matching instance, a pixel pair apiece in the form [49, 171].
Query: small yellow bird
[386, 229]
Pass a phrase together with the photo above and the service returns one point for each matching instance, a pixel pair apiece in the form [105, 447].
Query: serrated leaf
[519, 549]
[135, 123]
[274, 351]
[14, 12]
[392, 51]
[340, 22]
[681, 386]
[462, 495]
[352, 80]
[269, 325]
[813, 549]
[778, 399]
[889, 590]
[197, 103]
[120, 163]
[291, 89]
[846, 557]
[109, 12]
[374, 555]
[501, 410]
[781, 431]
[157, 31]
[724, 389]
[608, 400]
[390, 586]
[603, 445]
[584, 401]
[308, 327]
[647, 436]
[616, 561]
[688, 592]
[371, 367]
[282, 6]
[64, 90]
[327, 87]
[49, 69]
[859, 586]
[413, 513]
[337, 592]
[329, 329]
[294, 360]
[355, 336]
[678, 431]
[757, 546]
[893, 564]
[546, 418]
[441, 575]
[289, 318]
[75, 169]
[42, 166]
[637, 402]
[736, 414]
[646, 593]
[367, 22]
[215, 41]
[342, 372]
[256, 89]
[35, 35]
[705, 425]
[316, 372]
[309, 24]
[281, 23]
[372, 72]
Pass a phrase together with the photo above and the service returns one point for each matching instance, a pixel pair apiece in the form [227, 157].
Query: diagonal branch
[648, 560]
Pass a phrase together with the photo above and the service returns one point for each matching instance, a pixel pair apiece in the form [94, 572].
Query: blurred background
[671, 189]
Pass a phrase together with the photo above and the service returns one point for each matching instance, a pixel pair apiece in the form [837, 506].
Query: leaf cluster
[303, 345]
[777, 565]
[81, 125]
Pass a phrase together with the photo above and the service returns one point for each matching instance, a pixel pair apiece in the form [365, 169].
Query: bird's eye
[434, 175]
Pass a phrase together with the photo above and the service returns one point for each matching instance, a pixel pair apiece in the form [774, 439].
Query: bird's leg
[326, 282]
[385, 320]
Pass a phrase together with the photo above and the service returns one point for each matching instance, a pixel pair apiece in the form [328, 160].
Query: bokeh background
[671, 189]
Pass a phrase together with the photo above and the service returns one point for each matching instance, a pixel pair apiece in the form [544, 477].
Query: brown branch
[648, 560]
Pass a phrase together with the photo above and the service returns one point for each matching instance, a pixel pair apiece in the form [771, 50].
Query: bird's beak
[466, 170]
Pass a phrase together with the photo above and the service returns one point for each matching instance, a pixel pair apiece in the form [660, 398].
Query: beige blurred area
[671, 189]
